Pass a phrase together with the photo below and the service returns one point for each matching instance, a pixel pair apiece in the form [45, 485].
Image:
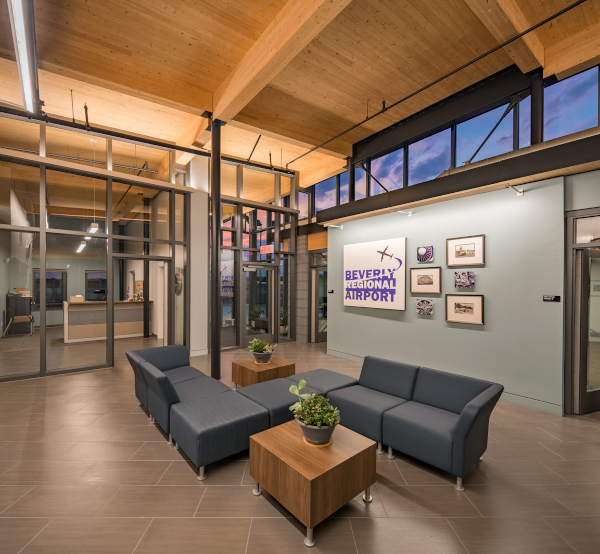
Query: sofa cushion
[218, 426]
[390, 377]
[421, 431]
[183, 373]
[323, 380]
[165, 357]
[446, 391]
[199, 388]
[361, 409]
[275, 397]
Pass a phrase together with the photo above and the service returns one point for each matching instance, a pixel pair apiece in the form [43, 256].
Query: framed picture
[427, 280]
[465, 251]
[425, 254]
[424, 306]
[464, 279]
[464, 308]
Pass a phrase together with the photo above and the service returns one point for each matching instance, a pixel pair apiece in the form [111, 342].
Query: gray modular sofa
[437, 417]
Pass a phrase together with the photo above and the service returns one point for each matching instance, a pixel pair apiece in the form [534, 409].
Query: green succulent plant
[312, 409]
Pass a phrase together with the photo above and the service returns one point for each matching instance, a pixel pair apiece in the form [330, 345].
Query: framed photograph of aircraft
[426, 280]
[464, 308]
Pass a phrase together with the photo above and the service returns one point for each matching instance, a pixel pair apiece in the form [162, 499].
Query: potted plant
[283, 322]
[262, 350]
[315, 415]
[254, 313]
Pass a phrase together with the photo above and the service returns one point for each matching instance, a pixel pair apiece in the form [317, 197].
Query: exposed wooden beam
[287, 35]
[574, 53]
[504, 19]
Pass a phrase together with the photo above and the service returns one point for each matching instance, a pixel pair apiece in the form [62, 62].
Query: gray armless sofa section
[437, 417]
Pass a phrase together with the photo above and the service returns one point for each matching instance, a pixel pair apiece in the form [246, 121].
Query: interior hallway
[83, 470]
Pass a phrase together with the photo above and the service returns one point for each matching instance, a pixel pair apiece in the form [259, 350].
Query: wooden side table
[248, 372]
[312, 482]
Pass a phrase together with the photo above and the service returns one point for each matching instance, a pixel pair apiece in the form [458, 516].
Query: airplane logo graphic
[384, 253]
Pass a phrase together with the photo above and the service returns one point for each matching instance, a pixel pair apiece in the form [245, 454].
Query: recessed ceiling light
[94, 141]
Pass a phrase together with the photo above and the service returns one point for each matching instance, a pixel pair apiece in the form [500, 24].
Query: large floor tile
[83, 433]
[56, 408]
[581, 500]
[45, 472]
[158, 451]
[431, 501]
[582, 533]
[89, 536]
[153, 501]
[219, 473]
[120, 419]
[575, 450]
[524, 535]
[194, 536]
[5, 465]
[124, 473]
[278, 535]
[579, 433]
[514, 501]
[29, 450]
[232, 501]
[388, 473]
[575, 472]
[16, 533]
[134, 433]
[527, 472]
[406, 536]
[9, 494]
[419, 473]
[520, 451]
[62, 501]
[101, 451]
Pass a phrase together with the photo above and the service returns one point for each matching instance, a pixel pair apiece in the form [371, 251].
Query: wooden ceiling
[296, 72]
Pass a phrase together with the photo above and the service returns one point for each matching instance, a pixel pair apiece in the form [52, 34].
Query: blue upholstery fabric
[471, 434]
[161, 394]
[361, 409]
[323, 380]
[446, 391]
[184, 373]
[390, 377]
[141, 388]
[165, 357]
[421, 431]
[214, 427]
[275, 397]
[199, 388]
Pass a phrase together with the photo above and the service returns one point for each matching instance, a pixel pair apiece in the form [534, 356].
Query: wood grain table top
[251, 364]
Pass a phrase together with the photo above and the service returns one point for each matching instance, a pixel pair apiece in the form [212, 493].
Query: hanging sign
[374, 274]
[267, 249]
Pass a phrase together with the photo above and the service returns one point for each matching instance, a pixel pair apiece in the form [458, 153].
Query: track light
[20, 13]
[336, 226]
[81, 246]
[93, 227]
[520, 192]
[404, 212]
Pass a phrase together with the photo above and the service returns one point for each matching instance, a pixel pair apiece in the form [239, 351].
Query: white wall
[521, 343]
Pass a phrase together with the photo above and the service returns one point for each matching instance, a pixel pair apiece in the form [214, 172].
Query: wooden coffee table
[312, 482]
[248, 372]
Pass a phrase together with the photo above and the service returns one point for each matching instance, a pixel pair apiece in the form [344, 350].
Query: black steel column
[146, 299]
[187, 268]
[110, 278]
[537, 107]
[171, 323]
[351, 180]
[215, 249]
[43, 211]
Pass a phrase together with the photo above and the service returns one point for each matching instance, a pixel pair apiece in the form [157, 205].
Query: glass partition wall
[89, 269]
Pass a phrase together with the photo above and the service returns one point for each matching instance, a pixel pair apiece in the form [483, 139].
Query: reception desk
[86, 321]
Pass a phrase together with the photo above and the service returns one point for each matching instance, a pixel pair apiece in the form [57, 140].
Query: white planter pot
[282, 330]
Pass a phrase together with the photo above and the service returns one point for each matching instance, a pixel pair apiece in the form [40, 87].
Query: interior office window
[344, 190]
[360, 183]
[303, 205]
[389, 170]
[525, 122]
[56, 288]
[95, 286]
[325, 194]
[471, 133]
[429, 157]
[571, 105]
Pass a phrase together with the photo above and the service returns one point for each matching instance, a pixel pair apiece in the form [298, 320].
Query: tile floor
[83, 471]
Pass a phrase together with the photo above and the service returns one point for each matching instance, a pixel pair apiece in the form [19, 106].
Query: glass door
[319, 326]
[258, 301]
[589, 349]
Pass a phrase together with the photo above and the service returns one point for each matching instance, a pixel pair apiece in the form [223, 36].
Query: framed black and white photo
[426, 280]
[464, 308]
[465, 251]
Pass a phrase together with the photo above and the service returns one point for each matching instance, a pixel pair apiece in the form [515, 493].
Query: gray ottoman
[214, 427]
[323, 380]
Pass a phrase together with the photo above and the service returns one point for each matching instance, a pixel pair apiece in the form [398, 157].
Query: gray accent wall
[582, 191]
[521, 343]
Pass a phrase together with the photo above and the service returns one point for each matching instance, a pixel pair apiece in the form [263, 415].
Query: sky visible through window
[360, 183]
[571, 105]
[470, 134]
[525, 122]
[303, 205]
[428, 157]
[325, 194]
[344, 194]
[389, 170]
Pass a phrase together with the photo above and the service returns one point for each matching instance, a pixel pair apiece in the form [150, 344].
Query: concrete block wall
[302, 290]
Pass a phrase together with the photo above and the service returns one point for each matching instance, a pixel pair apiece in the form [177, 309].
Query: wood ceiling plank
[574, 53]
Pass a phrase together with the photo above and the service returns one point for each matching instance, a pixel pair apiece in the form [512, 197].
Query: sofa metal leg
[256, 491]
[149, 418]
[309, 541]
[459, 486]
[152, 420]
[139, 403]
[380, 449]
[176, 446]
[201, 473]
[170, 441]
[367, 496]
[390, 453]
[481, 459]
